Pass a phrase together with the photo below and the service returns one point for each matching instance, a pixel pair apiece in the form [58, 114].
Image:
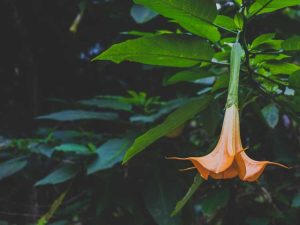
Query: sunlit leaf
[267, 6]
[164, 50]
[194, 15]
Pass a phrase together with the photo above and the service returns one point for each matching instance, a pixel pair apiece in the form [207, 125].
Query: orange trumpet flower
[228, 159]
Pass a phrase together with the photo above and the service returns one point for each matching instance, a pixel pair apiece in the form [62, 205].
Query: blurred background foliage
[66, 122]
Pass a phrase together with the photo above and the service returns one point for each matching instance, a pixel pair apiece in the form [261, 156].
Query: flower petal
[249, 169]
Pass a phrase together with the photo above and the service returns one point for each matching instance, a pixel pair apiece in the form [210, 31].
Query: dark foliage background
[44, 68]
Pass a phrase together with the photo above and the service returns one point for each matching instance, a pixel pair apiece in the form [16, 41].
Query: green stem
[235, 64]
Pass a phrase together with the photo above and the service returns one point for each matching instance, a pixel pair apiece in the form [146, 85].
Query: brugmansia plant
[201, 47]
[206, 45]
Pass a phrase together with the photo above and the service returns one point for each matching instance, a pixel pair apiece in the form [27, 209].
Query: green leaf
[221, 82]
[164, 50]
[281, 68]
[72, 115]
[214, 201]
[72, 147]
[267, 6]
[59, 175]
[271, 115]
[292, 43]
[226, 23]
[160, 197]
[10, 167]
[239, 21]
[173, 121]
[141, 14]
[262, 39]
[194, 15]
[188, 75]
[107, 104]
[268, 57]
[294, 80]
[180, 204]
[296, 200]
[109, 154]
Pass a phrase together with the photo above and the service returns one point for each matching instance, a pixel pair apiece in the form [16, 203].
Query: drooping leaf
[107, 104]
[180, 204]
[141, 14]
[271, 115]
[188, 75]
[226, 23]
[267, 6]
[10, 167]
[109, 154]
[196, 16]
[164, 50]
[59, 175]
[292, 43]
[173, 121]
[160, 196]
[72, 115]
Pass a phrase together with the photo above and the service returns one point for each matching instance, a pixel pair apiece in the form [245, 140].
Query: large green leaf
[109, 154]
[164, 50]
[11, 167]
[292, 43]
[194, 15]
[180, 204]
[267, 6]
[71, 115]
[59, 175]
[160, 197]
[173, 121]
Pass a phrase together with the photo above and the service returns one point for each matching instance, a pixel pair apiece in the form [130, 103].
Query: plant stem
[235, 64]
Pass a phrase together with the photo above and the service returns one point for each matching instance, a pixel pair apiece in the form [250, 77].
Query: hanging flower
[219, 163]
[228, 159]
